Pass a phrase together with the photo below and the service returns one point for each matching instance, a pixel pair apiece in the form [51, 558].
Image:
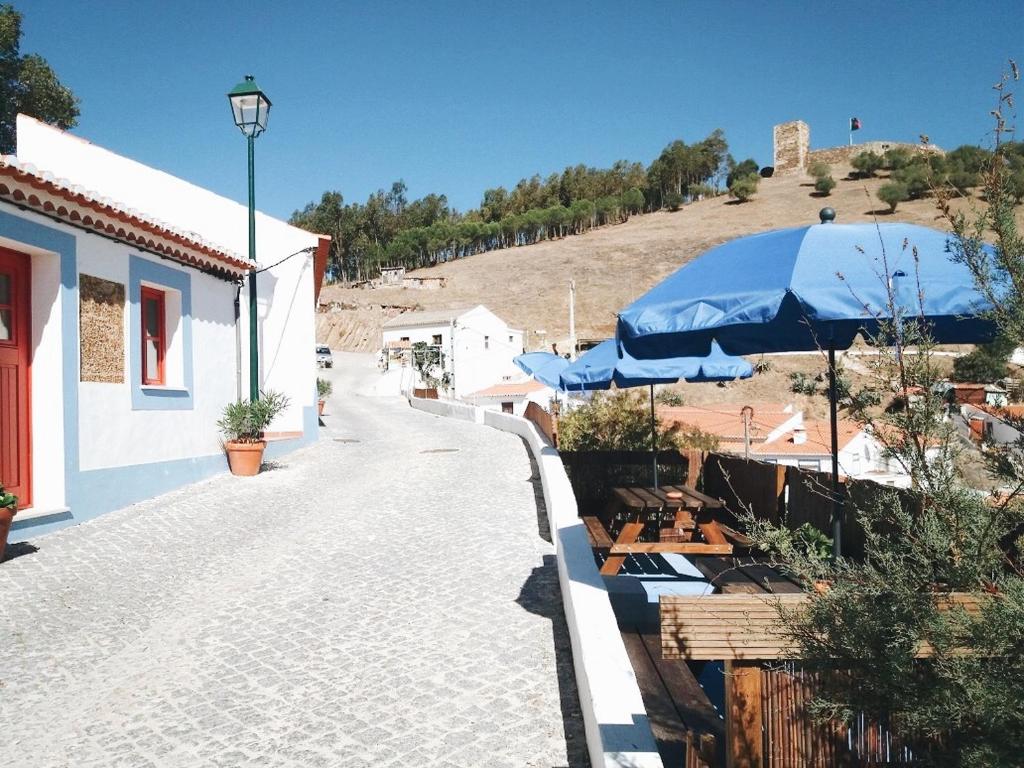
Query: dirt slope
[528, 286]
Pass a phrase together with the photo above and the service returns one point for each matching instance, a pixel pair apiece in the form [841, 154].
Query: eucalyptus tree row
[390, 230]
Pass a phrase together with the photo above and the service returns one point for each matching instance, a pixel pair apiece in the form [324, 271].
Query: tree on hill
[985, 364]
[892, 194]
[744, 188]
[866, 163]
[28, 85]
[741, 169]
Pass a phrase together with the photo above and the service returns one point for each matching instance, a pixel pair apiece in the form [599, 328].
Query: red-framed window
[154, 336]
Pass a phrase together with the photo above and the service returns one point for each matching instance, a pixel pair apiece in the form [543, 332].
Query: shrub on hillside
[892, 194]
[896, 158]
[673, 201]
[701, 191]
[867, 163]
[739, 170]
[824, 185]
[819, 169]
[917, 178]
[744, 188]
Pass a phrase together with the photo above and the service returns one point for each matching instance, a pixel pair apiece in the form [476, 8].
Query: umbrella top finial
[827, 215]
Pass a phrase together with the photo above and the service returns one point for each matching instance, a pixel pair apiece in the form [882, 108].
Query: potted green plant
[243, 425]
[8, 509]
[323, 391]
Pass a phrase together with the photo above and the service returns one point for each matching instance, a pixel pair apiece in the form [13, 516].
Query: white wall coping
[617, 728]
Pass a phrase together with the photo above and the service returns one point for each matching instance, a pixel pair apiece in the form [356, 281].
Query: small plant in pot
[243, 425]
[8, 509]
[323, 391]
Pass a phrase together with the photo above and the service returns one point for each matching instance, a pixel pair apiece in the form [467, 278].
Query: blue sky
[457, 97]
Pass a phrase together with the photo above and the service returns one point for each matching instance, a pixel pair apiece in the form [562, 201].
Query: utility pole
[572, 319]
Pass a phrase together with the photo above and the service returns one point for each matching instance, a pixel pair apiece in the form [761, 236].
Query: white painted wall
[286, 320]
[111, 434]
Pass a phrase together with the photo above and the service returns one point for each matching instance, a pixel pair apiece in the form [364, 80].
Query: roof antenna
[827, 215]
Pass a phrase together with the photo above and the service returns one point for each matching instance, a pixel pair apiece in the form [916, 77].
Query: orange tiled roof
[510, 389]
[819, 439]
[42, 193]
[726, 421]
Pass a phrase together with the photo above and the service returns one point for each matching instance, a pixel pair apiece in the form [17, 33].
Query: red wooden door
[15, 357]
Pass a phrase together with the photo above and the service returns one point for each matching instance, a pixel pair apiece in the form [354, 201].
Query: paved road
[383, 598]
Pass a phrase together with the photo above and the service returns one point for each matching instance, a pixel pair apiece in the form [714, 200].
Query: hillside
[528, 286]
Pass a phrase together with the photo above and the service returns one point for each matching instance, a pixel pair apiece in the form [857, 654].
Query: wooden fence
[793, 496]
[546, 422]
[593, 474]
[793, 739]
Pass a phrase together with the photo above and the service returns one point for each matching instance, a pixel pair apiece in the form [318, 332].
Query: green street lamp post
[250, 108]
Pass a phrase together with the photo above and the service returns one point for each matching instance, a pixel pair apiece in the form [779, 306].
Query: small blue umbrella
[545, 367]
[602, 366]
[804, 289]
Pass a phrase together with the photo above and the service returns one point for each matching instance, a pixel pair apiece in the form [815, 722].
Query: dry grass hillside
[528, 286]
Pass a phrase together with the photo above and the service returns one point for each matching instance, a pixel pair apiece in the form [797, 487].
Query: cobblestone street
[386, 597]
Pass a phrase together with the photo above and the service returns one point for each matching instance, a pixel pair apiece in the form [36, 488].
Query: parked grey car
[323, 356]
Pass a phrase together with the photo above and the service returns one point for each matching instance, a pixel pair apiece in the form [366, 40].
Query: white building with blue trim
[124, 328]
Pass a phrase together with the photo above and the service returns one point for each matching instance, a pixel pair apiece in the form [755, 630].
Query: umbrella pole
[837, 507]
[654, 440]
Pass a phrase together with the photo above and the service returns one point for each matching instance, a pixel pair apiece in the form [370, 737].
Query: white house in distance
[477, 345]
[123, 328]
[778, 434]
[512, 396]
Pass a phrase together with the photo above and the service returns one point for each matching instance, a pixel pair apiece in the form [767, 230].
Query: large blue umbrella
[804, 289]
[545, 367]
[602, 366]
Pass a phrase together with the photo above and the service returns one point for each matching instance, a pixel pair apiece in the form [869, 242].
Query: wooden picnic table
[685, 517]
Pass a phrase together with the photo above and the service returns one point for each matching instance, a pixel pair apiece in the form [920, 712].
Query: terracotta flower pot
[245, 458]
[6, 518]
[320, 406]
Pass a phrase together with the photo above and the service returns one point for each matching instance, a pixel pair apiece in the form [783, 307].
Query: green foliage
[892, 194]
[245, 422]
[814, 544]
[28, 85]
[701, 191]
[802, 384]
[918, 178]
[896, 158]
[391, 230]
[959, 706]
[620, 420]
[763, 365]
[819, 169]
[741, 170]
[323, 388]
[7, 500]
[669, 397]
[824, 185]
[673, 201]
[428, 362]
[867, 163]
[744, 188]
[985, 364]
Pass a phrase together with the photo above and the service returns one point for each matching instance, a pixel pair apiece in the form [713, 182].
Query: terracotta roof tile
[510, 389]
[23, 185]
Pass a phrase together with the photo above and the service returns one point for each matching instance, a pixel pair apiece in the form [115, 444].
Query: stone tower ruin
[792, 143]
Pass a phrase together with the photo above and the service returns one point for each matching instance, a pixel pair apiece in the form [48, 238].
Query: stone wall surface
[792, 142]
[835, 155]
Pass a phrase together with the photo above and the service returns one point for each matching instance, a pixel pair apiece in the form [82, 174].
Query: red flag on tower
[854, 123]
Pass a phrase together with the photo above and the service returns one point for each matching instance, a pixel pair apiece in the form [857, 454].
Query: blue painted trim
[99, 491]
[310, 434]
[64, 245]
[150, 399]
